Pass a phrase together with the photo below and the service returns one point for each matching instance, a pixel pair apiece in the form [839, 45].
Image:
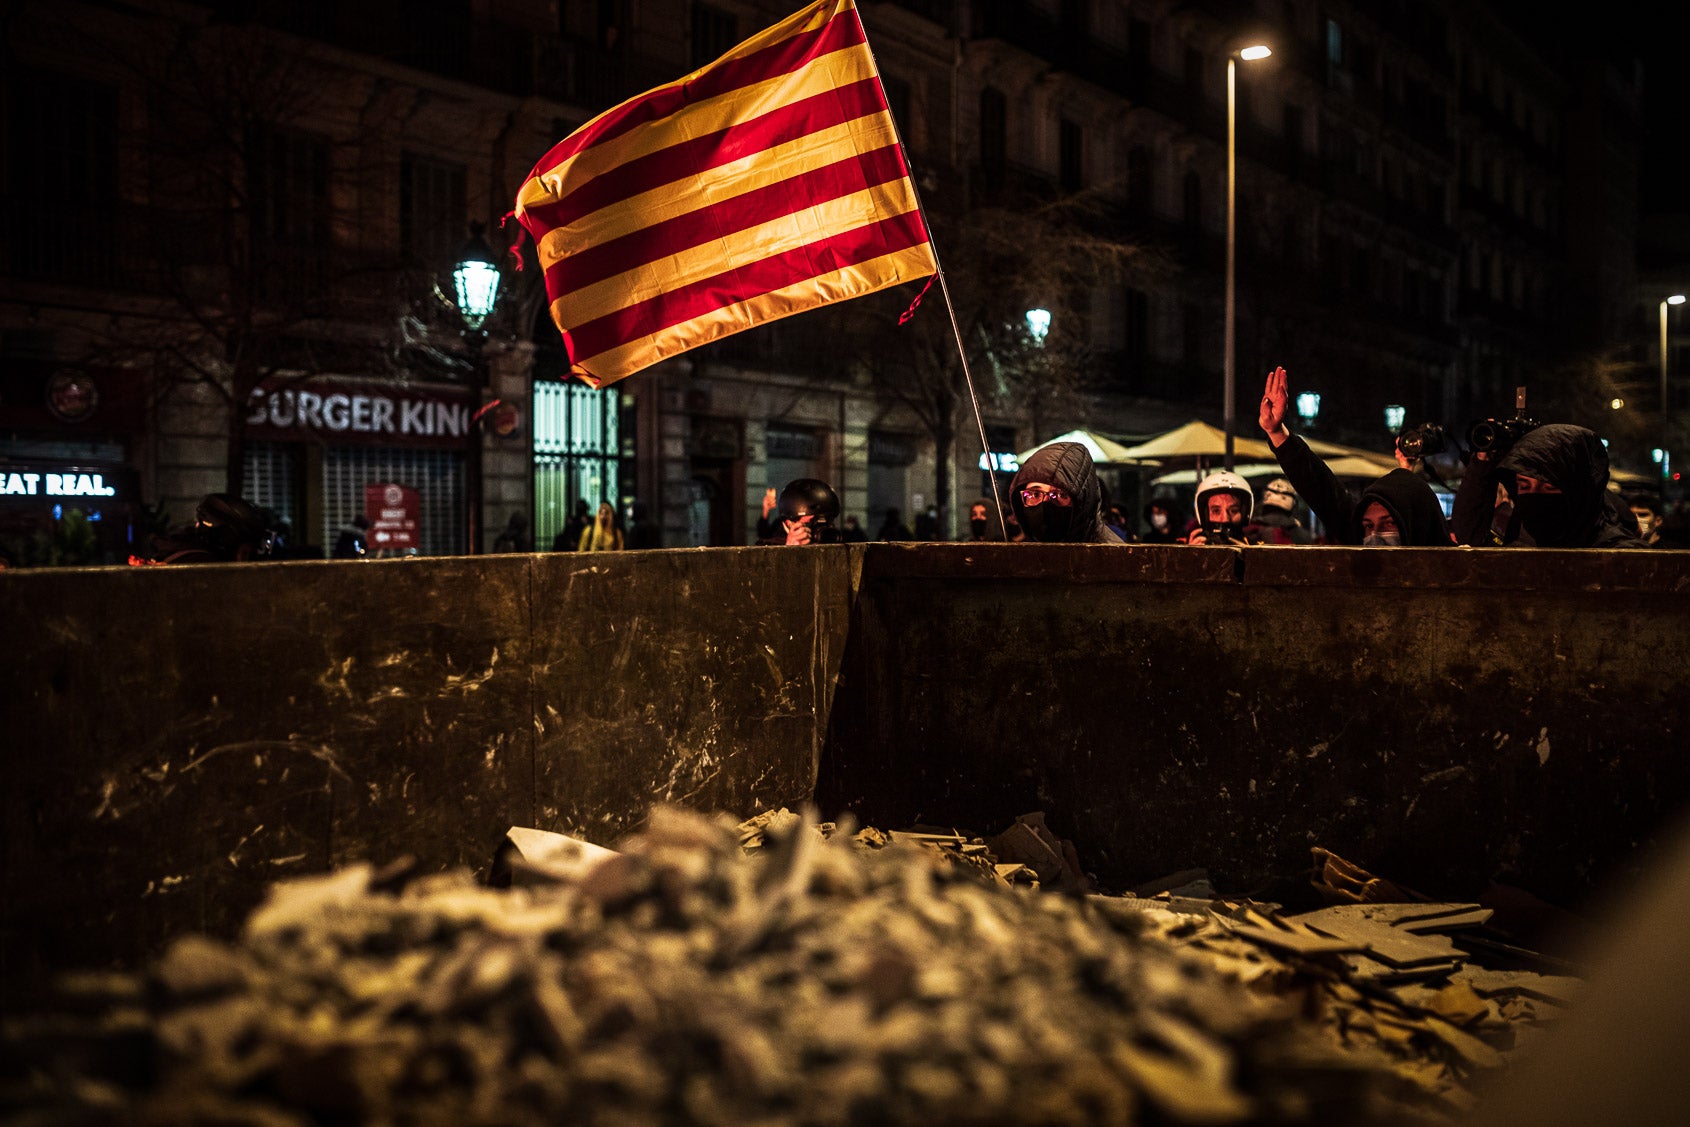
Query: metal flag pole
[938, 272]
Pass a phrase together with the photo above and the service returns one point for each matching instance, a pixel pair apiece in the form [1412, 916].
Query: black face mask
[1048, 523]
[978, 526]
[1547, 517]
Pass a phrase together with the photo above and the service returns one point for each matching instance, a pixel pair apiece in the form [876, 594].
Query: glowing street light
[1395, 416]
[1038, 325]
[1675, 299]
[1249, 54]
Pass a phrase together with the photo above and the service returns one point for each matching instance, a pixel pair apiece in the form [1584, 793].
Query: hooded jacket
[1572, 459]
[1403, 493]
[1412, 504]
[1068, 466]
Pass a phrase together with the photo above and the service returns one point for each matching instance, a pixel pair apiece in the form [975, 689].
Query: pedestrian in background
[894, 528]
[514, 538]
[642, 530]
[568, 538]
[604, 534]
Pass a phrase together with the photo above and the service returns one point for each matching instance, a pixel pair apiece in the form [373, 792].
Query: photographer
[1397, 509]
[808, 509]
[1224, 504]
[1557, 476]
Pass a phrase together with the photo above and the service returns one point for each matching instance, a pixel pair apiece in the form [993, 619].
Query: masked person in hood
[1224, 506]
[1057, 498]
[1558, 477]
[1395, 510]
[983, 523]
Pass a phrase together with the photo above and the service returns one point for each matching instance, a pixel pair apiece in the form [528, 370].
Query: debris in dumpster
[1342, 882]
[779, 971]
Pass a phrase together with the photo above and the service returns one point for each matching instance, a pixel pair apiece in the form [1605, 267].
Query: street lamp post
[1256, 51]
[475, 286]
[1675, 299]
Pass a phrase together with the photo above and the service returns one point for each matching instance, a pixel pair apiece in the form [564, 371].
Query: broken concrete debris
[780, 972]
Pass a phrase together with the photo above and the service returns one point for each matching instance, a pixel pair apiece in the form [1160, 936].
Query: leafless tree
[999, 263]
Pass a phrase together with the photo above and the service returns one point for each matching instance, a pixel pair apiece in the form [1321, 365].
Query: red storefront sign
[395, 513]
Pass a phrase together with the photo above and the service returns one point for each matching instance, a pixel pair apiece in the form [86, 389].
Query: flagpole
[939, 272]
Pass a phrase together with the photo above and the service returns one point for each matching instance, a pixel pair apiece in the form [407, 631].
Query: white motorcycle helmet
[1225, 481]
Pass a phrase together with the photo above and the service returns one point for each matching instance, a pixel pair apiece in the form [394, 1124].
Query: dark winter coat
[1583, 514]
[1068, 466]
[1404, 494]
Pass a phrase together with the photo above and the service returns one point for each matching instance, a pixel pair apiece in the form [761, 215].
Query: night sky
[1655, 34]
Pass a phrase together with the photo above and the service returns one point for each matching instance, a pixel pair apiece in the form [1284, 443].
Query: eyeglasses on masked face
[1039, 495]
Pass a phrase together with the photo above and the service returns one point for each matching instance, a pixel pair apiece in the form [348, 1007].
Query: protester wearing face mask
[1056, 497]
[1559, 481]
[983, 522]
[1397, 509]
[1159, 524]
[1648, 515]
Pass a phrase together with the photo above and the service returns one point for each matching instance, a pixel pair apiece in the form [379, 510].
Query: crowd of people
[1545, 486]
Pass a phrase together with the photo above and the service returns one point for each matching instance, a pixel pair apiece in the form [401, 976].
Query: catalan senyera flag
[762, 185]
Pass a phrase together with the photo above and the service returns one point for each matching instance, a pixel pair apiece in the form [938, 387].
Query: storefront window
[577, 451]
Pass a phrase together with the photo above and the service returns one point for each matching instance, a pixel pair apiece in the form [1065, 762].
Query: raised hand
[1275, 397]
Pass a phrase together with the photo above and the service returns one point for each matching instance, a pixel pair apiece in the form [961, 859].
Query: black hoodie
[1068, 466]
[1573, 459]
[1405, 495]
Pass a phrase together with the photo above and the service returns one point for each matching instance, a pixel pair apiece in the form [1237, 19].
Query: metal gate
[437, 475]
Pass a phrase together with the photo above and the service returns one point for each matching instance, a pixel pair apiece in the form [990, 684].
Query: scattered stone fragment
[777, 972]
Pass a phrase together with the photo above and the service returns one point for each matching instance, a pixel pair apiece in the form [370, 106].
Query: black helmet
[227, 524]
[815, 498]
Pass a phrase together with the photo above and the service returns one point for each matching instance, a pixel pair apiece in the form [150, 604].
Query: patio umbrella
[1347, 466]
[1198, 441]
[1247, 470]
[1327, 451]
[1104, 450]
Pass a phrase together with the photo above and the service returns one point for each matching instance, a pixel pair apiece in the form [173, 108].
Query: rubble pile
[764, 974]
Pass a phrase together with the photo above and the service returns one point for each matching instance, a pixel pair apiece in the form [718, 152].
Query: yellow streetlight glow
[1616, 403]
[1229, 411]
[1675, 299]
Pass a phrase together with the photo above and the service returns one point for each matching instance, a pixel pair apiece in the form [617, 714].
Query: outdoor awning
[1198, 440]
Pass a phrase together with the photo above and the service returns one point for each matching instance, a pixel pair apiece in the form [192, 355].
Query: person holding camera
[1224, 505]
[1397, 509]
[808, 509]
[1557, 476]
[1057, 499]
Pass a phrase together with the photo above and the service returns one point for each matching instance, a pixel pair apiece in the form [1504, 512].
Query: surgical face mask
[1382, 540]
[1158, 521]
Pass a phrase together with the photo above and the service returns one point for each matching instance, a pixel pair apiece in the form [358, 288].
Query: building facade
[228, 237]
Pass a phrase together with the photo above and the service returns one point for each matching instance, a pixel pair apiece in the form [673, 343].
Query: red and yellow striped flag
[765, 184]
